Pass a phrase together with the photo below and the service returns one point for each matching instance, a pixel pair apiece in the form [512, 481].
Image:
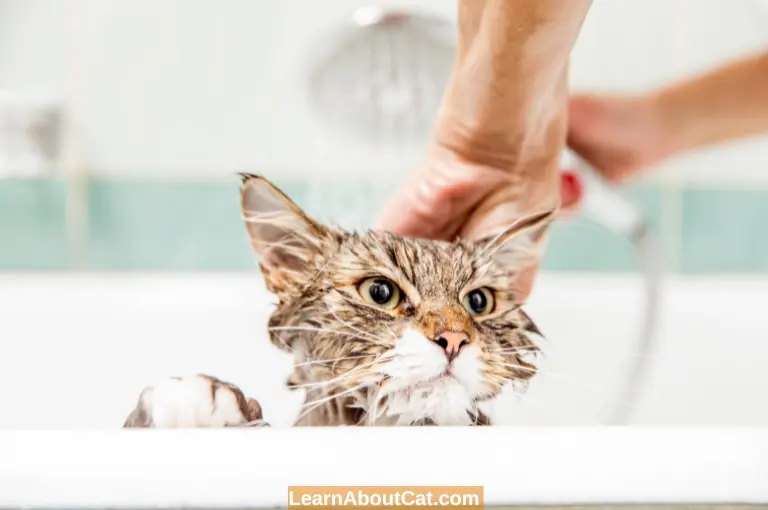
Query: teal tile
[575, 244]
[33, 224]
[167, 225]
[197, 226]
[725, 231]
[583, 244]
[342, 202]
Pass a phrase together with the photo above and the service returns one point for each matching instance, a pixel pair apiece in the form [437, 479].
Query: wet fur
[360, 364]
[321, 316]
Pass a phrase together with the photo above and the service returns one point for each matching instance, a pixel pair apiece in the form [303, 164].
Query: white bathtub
[75, 350]
[253, 468]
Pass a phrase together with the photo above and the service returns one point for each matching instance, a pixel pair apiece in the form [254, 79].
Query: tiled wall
[197, 226]
[210, 88]
[214, 87]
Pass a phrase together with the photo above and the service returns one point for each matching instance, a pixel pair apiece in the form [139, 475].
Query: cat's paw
[199, 401]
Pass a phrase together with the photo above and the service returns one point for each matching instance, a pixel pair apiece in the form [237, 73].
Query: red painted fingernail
[572, 188]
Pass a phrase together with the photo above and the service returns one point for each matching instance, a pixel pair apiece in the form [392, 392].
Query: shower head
[378, 77]
[605, 203]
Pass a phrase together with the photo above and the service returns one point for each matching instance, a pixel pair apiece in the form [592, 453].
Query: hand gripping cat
[384, 330]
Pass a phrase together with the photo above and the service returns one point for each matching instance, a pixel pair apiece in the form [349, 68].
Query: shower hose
[607, 206]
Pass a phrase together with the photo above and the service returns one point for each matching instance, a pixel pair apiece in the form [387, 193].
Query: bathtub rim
[596, 465]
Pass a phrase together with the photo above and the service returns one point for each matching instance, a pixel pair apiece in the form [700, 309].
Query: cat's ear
[521, 244]
[284, 238]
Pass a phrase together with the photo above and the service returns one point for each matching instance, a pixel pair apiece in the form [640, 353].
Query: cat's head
[408, 330]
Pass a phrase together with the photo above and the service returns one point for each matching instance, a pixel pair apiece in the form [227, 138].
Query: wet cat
[384, 330]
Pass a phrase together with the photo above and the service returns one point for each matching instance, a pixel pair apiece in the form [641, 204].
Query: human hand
[501, 129]
[454, 195]
[619, 136]
[450, 196]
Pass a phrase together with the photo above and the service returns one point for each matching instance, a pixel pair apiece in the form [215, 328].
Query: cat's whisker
[389, 330]
[531, 349]
[286, 239]
[325, 330]
[329, 382]
[298, 250]
[524, 250]
[482, 251]
[374, 414]
[531, 357]
[270, 245]
[284, 221]
[317, 403]
[326, 361]
[323, 385]
[524, 368]
[267, 264]
[354, 328]
[285, 344]
[345, 375]
[370, 408]
[319, 272]
[328, 330]
[501, 381]
[383, 357]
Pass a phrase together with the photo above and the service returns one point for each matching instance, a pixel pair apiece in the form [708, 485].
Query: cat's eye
[380, 292]
[479, 301]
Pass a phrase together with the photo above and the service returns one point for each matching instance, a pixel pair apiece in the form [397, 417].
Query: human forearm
[728, 103]
[504, 105]
[501, 126]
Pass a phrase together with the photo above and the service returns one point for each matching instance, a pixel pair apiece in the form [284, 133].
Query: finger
[571, 191]
[435, 202]
[416, 211]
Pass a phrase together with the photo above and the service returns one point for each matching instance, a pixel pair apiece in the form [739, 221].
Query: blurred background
[158, 104]
[123, 255]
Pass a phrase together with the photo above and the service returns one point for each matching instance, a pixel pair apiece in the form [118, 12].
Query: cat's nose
[452, 342]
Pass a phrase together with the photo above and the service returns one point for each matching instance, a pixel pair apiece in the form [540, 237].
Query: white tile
[201, 88]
